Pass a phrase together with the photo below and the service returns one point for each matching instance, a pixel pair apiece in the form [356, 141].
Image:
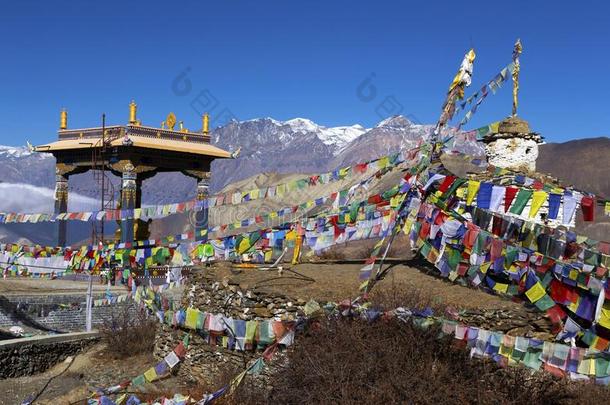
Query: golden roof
[197, 148]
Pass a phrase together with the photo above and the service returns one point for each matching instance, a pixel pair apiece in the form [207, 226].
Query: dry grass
[351, 362]
[345, 361]
[332, 253]
[127, 332]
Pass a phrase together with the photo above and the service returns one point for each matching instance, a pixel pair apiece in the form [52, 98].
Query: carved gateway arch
[134, 153]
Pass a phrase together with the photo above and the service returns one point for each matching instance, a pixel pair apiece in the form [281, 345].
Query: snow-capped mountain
[267, 145]
[336, 138]
[14, 152]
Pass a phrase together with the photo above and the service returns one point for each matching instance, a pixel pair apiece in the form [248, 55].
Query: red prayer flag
[360, 168]
[446, 183]
[180, 350]
[588, 208]
[511, 192]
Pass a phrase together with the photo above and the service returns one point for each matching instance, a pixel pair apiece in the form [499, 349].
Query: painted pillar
[201, 216]
[61, 205]
[128, 202]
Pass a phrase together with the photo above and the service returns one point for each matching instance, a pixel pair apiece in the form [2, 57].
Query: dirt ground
[334, 282]
[31, 286]
[93, 368]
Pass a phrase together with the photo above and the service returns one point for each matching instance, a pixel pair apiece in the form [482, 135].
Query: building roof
[197, 148]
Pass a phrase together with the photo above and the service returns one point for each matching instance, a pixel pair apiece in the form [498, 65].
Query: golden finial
[63, 119]
[205, 127]
[182, 129]
[170, 121]
[133, 108]
[516, 52]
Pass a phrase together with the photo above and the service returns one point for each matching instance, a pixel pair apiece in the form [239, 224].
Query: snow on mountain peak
[395, 121]
[14, 151]
[302, 125]
[336, 137]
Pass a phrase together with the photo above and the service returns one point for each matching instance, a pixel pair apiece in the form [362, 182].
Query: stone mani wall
[40, 312]
[205, 363]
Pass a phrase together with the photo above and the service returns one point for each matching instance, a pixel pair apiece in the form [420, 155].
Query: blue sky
[296, 59]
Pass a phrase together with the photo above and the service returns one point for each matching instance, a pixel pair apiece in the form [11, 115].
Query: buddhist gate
[134, 152]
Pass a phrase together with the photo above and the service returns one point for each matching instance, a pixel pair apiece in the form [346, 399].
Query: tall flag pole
[516, 52]
[462, 79]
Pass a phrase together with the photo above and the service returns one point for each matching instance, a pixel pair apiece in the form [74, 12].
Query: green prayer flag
[545, 303]
[523, 196]
[139, 380]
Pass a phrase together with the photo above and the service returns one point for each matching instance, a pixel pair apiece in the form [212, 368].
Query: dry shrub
[332, 253]
[353, 362]
[127, 331]
[407, 297]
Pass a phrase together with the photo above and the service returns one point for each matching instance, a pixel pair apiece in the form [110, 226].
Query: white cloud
[17, 197]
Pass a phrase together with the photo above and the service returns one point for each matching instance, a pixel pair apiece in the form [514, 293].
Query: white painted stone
[513, 153]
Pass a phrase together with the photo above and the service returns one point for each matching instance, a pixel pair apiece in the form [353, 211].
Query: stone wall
[27, 356]
[205, 364]
[41, 312]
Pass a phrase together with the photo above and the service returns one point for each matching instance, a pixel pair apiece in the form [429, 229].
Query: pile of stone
[528, 323]
[208, 292]
[238, 301]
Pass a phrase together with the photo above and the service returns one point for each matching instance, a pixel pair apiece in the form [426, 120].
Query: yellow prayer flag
[407, 227]
[397, 200]
[604, 319]
[505, 351]
[580, 239]
[291, 235]
[584, 366]
[461, 193]
[535, 293]
[484, 267]
[573, 274]
[236, 381]
[538, 199]
[150, 375]
[501, 287]
[191, 318]
[473, 188]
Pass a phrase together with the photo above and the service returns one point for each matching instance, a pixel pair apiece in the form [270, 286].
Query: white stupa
[514, 146]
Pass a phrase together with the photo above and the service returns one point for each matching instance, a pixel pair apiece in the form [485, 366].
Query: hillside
[583, 163]
[274, 152]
